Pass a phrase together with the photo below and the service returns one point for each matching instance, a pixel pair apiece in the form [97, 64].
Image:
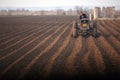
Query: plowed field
[39, 48]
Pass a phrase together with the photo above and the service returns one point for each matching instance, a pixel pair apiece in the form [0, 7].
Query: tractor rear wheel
[74, 30]
[74, 33]
[95, 33]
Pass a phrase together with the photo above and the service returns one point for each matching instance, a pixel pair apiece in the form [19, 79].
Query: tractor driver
[82, 15]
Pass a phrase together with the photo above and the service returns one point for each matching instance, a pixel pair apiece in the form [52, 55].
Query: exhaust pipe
[90, 17]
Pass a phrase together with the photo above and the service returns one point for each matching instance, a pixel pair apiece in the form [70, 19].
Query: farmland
[36, 47]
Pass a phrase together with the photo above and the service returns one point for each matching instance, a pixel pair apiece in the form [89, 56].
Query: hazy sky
[50, 3]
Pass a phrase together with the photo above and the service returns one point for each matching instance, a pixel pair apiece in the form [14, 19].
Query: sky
[53, 3]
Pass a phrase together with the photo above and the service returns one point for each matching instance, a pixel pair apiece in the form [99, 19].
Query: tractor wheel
[74, 30]
[95, 33]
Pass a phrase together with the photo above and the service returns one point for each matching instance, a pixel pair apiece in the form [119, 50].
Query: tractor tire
[74, 29]
[95, 33]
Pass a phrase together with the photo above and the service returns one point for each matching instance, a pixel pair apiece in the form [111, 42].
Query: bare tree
[60, 11]
[78, 9]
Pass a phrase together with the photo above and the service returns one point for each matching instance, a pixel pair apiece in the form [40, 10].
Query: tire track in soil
[28, 67]
[69, 66]
[19, 40]
[26, 42]
[27, 53]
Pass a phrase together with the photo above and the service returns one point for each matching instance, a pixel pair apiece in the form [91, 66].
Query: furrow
[16, 34]
[111, 52]
[49, 66]
[16, 50]
[28, 67]
[98, 58]
[30, 32]
[23, 56]
[19, 41]
[70, 60]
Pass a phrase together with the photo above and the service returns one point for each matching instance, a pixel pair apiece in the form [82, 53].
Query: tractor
[84, 27]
